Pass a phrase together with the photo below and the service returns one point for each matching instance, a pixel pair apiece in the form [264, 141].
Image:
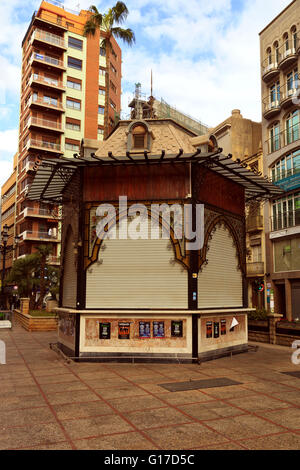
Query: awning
[53, 176]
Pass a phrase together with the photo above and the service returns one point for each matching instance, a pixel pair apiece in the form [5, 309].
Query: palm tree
[108, 24]
[22, 274]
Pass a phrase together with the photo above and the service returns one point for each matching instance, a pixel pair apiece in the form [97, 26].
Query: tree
[108, 25]
[43, 252]
[22, 274]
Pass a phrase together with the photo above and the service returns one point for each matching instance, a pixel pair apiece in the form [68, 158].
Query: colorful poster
[209, 329]
[176, 329]
[159, 329]
[124, 330]
[223, 327]
[104, 330]
[144, 329]
[216, 329]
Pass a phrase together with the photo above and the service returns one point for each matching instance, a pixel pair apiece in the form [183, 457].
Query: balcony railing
[37, 212]
[48, 37]
[254, 222]
[281, 96]
[283, 174]
[43, 145]
[31, 235]
[270, 66]
[52, 82]
[33, 121]
[47, 60]
[48, 103]
[254, 269]
[287, 53]
[284, 138]
[285, 220]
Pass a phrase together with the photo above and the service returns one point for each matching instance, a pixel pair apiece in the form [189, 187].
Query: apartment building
[62, 102]
[280, 62]
[8, 205]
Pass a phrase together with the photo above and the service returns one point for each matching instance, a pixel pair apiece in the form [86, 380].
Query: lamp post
[4, 249]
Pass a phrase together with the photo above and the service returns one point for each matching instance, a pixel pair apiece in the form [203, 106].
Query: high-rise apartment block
[62, 102]
[280, 63]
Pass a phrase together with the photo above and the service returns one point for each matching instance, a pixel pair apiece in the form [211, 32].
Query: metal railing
[44, 123]
[49, 37]
[43, 144]
[282, 174]
[52, 103]
[285, 220]
[37, 211]
[28, 234]
[47, 59]
[284, 138]
[46, 81]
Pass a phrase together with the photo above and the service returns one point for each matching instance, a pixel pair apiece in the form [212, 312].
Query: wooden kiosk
[151, 299]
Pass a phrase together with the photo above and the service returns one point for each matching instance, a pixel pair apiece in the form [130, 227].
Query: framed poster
[176, 329]
[159, 329]
[124, 330]
[144, 329]
[223, 327]
[209, 329]
[216, 329]
[104, 330]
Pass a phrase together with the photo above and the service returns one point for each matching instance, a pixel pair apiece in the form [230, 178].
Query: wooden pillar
[288, 300]
[24, 307]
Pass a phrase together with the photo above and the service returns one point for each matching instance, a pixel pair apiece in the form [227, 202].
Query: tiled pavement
[48, 404]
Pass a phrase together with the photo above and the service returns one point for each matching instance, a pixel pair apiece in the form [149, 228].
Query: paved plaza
[47, 403]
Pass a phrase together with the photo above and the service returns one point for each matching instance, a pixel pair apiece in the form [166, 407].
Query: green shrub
[259, 314]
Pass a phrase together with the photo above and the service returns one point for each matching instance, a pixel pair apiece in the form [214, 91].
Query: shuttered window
[220, 283]
[136, 274]
[70, 274]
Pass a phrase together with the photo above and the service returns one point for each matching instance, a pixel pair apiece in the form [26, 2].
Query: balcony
[254, 223]
[54, 260]
[271, 108]
[40, 236]
[57, 24]
[288, 93]
[288, 55]
[47, 146]
[46, 104]
[49, 62]
[52, 40]
[270, 68]
[284, 138]
[39, 213]
[45, 124]
[256, 269]
[285, 220]
[46, 83]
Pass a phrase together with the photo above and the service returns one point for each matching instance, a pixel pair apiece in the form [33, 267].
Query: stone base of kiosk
[157, 336]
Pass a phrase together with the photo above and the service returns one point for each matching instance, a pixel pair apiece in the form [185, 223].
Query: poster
[223, 327]
[104, 330]
[144, 329]
[176, 329]
[209, 329]
[124, 330]
[216, 329]
[159, 329]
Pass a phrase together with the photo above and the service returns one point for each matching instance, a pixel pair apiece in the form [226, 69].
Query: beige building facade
[280, 62]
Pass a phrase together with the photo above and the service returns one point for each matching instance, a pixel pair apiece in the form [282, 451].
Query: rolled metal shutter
[220, 284]
[70, 274]
[137, 274]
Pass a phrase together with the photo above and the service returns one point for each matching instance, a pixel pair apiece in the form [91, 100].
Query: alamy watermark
[296, 353]
[2, 352]
[139, 222]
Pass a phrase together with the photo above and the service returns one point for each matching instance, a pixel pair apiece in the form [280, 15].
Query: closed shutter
[70, 274]
[137, 274]
[220, 284]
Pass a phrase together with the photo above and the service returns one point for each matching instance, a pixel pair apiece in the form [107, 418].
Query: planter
[36, 323]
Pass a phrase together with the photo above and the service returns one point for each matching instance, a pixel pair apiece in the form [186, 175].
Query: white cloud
[9, 141]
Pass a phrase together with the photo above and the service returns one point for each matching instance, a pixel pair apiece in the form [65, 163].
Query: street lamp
[4, 249]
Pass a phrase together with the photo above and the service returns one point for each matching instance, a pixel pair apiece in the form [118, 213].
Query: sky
[204, 56]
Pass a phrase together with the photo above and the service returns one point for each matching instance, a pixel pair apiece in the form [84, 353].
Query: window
[101, 71]
[101, 109]
[73, 126]
[101, 92]
[292, 127]
[286, 42]
[112, 86]
[276, 47]
[139, 141]
[73, 85]
[50, 100]
[275, 93]
[72, 104]
[112, 104]
[74, 63]
[100, 132]
[286, 166]
[114, 70]
[73, 147]
[75, 43]
[292, 81]
[274, 138]
[294, 37]
[102, 51]
[286, 212]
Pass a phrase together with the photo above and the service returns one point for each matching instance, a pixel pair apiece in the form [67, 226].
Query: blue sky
[204, 56]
